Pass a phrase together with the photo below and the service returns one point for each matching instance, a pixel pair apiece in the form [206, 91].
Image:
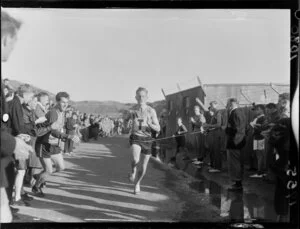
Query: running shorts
[48, 150]
[138, 140]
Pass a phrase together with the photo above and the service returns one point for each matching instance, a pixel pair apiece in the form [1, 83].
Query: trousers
[235, 164]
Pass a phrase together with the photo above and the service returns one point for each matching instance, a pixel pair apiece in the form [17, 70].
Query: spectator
[24, 96]
[9, 94]
[272, 116]
[259, 141]
[280, 140]
[10, 146]
[235, 132]
[180, 140]
[214, 133]
[71, 125]
[197, 125]
[30, 122]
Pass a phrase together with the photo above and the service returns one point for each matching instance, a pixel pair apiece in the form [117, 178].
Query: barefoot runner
[144, 119]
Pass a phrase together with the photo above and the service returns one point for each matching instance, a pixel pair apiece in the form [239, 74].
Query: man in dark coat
[236, 140]
[10, 146]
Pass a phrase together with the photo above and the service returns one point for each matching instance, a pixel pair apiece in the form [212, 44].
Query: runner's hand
[192, 120]
[75, 138]
[22, 149]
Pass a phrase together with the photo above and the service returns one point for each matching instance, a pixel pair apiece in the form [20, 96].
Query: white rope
[171, 137]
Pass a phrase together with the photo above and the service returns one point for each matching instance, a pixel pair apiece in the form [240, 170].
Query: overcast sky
[106, 54]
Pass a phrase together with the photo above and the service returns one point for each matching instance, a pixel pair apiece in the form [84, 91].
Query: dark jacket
[70, 129]
[16, 121]
[258, 129]
[8, 143]
[29, 124]
[235, 131]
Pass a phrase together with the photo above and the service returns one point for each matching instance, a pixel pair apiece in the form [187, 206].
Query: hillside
[110, 108]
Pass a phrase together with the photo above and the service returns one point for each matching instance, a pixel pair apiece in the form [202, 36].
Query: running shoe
[20, 202]
[37, 192]
[14, 210]
[26, 197]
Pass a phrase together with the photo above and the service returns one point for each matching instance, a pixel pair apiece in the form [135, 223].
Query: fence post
[162, 90]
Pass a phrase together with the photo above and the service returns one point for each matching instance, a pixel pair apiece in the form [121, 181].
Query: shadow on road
[94, 187]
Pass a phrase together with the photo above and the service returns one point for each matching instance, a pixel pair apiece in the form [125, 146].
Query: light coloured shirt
[140, 118]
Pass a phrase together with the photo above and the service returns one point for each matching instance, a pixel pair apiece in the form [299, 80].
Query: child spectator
[180, 139]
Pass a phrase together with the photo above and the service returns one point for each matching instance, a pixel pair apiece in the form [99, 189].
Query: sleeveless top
[140, 117]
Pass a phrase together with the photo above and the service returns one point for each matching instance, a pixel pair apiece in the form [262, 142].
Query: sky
[106, 54]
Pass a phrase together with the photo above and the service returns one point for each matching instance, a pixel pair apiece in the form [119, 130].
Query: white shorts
[259, 144]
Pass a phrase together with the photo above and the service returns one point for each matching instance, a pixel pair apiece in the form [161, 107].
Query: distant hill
[110, 108]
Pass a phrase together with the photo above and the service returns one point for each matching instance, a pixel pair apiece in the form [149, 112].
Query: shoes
[214, 171]
[131, 177]
[257, 176]
[197, 162]
[137, 189]
[37, 192]
[236, 187]
[20, 203]
[14, 210]
[26, 197]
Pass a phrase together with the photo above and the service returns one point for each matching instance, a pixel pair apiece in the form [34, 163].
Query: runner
[144, 120]
[51, 143]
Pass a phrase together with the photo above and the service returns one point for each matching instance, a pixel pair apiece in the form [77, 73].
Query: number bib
[140, 119]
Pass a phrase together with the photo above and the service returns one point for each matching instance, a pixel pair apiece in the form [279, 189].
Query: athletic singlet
[140, 118]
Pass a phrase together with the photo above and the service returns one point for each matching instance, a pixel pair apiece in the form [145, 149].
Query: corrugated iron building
[181, 104]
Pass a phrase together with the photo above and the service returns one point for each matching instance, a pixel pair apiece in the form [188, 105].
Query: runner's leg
[136, 152]
[144, 163]
[47, 165]
[58, 161]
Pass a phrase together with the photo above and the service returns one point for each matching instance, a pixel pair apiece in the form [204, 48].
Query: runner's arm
[154, 124]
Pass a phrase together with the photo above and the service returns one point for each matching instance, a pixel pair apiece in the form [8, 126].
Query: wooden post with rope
[271, 85]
